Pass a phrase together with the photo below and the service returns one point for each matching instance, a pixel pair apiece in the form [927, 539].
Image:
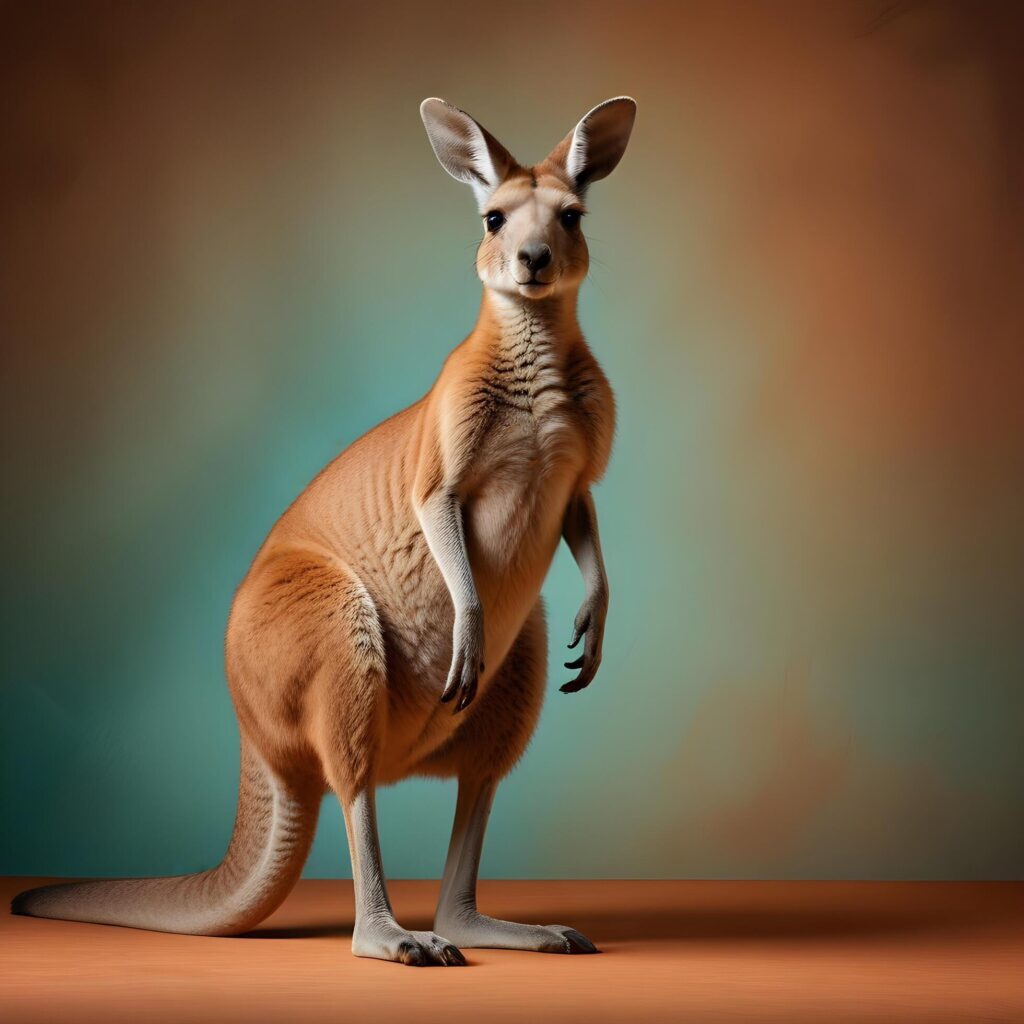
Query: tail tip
[22, 903]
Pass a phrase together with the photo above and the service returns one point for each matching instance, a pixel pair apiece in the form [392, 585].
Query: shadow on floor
[725, 925]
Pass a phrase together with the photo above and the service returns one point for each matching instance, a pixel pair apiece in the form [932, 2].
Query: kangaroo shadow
[732, 925]
[329, 929]
[726, 925]
[339, 930]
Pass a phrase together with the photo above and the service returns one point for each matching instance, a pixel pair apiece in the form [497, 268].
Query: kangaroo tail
[273, 831]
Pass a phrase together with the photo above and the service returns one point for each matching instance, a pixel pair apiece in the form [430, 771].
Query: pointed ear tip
[625, 104]
[430, 102]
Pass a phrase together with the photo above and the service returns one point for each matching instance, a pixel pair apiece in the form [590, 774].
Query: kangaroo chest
[527, 461]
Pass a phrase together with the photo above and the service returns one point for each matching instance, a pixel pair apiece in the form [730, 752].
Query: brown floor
[822, 952]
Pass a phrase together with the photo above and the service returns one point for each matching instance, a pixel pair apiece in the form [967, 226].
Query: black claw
[447, 695]
[411, 955]
[578, 663]
[579, 943]
[466, 699]
[454, 956]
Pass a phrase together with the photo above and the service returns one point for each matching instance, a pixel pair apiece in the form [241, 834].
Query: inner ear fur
[465, 149]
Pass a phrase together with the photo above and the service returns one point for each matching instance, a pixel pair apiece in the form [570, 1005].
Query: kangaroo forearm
[440, 518]
[581, 534]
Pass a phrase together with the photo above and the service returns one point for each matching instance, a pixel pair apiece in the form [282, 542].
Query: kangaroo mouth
[535, 289]
[535, 284]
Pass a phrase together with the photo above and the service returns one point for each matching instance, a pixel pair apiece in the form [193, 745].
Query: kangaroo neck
[515, 324]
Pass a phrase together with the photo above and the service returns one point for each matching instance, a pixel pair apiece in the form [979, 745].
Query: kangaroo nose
[535, 257]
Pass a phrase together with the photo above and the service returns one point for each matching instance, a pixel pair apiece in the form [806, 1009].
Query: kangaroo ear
[466, 150]
[595, 146]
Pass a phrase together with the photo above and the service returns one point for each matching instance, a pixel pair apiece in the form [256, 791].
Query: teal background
[229, 251]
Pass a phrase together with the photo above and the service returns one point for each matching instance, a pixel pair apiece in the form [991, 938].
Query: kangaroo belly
[512, 532]
[514, 519]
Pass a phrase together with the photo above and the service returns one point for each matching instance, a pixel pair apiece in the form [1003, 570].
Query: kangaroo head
[533, 243]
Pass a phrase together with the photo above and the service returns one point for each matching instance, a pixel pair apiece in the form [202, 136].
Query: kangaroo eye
[494, 220]
[570, 219]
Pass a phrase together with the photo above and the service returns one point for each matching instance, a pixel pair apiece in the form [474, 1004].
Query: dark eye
[494, 220]
[570, 219]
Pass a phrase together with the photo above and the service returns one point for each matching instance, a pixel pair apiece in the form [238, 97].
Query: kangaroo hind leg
[488, 747]
[348, 720]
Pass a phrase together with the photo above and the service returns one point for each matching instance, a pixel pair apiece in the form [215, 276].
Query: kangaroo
[391, 624]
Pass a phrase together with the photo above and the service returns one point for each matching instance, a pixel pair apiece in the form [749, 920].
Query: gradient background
[228, 250]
